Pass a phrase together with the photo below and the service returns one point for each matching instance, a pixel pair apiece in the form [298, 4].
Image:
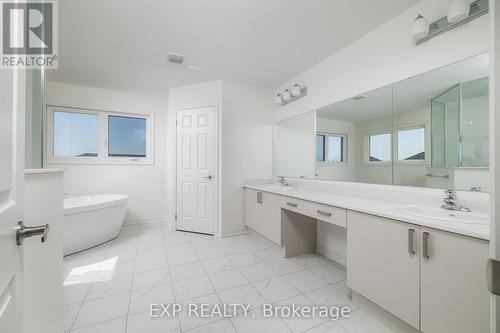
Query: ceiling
[414, 93]
[123, 44]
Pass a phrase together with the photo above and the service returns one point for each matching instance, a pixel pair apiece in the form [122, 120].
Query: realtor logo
[29, 34]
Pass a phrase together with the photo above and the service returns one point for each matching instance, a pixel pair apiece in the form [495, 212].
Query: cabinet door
[271, 217]
[381, 265]
[454, 294]
[253, 210]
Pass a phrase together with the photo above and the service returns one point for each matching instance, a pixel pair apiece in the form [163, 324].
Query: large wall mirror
[430, 130]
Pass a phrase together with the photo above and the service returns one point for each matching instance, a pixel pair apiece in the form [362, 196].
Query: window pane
[75, 134]
[320, 147]
[126, 136]
[380, 147]
[411, 145]
[335, 149]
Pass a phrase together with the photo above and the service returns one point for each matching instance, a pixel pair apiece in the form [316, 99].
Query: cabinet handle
[411, 248]
[425, 245]
[292, 204]
[259, 197]
[320, 212]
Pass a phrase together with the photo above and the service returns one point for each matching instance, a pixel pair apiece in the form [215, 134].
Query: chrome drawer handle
[324, 213]
[292, 204]
[425, 245]
[411, 248]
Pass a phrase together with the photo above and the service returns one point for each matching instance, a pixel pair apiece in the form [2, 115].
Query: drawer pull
[320, 212]
[411, 248]
[292, 204]
[425, 245]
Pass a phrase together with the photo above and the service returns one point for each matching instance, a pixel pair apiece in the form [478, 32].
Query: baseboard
[229, 233]
[332, 255]
[145, 220]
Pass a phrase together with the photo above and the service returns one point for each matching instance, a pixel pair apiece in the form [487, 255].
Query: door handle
[411, 248]
[26, 232]
[210, 177]
[292, 204]
[425, 245]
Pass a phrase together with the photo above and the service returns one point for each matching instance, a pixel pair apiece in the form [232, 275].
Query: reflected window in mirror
[331, 148]
[379, 147]
[411, 144]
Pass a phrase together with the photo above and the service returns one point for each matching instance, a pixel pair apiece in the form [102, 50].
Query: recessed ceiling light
[175, 58]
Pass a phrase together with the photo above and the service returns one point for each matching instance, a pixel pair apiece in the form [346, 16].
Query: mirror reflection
[430, 131]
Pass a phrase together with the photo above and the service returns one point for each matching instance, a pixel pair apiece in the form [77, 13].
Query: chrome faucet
[451, 202]
[282, 181]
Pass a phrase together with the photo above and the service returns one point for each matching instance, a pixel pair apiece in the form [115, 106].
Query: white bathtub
[92, 220]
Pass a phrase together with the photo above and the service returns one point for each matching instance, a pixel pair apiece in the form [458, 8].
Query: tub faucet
[451, 202]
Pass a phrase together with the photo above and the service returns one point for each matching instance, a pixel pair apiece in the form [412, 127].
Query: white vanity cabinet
[263, 214]
[433, 280]
[382, 265]
[454, 295]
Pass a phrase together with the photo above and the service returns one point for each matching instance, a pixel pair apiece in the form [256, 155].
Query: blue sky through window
[126, 136]
[411, 144]
[380, 147]
[75, 134]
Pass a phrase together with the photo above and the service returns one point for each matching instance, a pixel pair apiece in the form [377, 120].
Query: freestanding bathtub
[92, 220]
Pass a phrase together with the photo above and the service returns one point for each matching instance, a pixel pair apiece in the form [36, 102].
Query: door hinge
[493, 276]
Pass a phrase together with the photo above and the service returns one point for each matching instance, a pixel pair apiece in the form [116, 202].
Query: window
[126, 136]
[411, 144]
[97, 137]
[75, 134]
[331, 148]
[379, 147]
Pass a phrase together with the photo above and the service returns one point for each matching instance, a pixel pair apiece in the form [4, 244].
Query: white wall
[247, 131]
[245, 142]
[145, 184]
[384, 56]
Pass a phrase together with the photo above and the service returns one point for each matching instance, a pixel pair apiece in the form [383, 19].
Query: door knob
[26, 232]
[209, 177]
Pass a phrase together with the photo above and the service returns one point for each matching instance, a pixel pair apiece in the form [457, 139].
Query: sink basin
[277, 187]
[446, 215]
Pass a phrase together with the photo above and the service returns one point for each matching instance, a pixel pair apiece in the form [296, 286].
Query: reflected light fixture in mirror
[287, 95]
[420, 27]
[458, 10]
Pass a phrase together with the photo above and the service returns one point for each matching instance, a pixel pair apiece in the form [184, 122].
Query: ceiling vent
[175, 58]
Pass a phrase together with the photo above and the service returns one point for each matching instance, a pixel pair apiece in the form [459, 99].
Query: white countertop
[383, 208]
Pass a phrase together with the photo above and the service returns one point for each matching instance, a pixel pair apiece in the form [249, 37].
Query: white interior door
[11, 168]
[196, 166]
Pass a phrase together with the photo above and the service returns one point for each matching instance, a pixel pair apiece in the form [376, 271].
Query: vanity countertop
[382, 208]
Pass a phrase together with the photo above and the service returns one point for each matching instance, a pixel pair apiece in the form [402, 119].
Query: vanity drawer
[321, 212]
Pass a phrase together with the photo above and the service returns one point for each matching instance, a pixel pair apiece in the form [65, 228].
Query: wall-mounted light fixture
[459, 12]
[290, 95]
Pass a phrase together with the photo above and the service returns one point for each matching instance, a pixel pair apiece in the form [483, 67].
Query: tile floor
[109, 289]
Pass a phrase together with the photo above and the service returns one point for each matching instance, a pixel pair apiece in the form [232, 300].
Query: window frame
[325, 149]
[102, 139]
[396, 159]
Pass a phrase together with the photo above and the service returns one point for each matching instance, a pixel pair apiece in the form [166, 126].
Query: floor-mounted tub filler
[92, 220]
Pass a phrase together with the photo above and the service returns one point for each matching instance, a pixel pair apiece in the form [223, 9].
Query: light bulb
[458, 10]
[287, 95]
[278, 99]
[420, 27]
[296, 90]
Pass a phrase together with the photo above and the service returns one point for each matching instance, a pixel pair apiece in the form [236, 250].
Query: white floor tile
[227, 280]
[181, 258]
[268, 254]
[246, 295]
[143, 323]
[276, 289]
[310, 260]
[102, 309]
[284, 266]
[361, 322]
[328, 327]
[205, 254]
[221, 326]
[343, 288]
[187, 271]
[112, 326]
[76, 293]
[217, 265]
[191, 288]
[148, 264]
[330, 273]
[234, 249]
[152, 252]
[189, 322]
[244, 259]
[256, 323]
[112, 271]
[329, 296]
[70, 312]
[300, 324]
[305, 281]
[176, 248]
[151, 278]
[258, 272]
[114, 286]
[142, 299]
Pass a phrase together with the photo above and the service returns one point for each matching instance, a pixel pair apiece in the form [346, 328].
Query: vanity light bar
[290, 95]
[477, 8]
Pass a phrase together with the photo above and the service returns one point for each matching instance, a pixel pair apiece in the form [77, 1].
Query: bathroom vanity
[429, 272]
